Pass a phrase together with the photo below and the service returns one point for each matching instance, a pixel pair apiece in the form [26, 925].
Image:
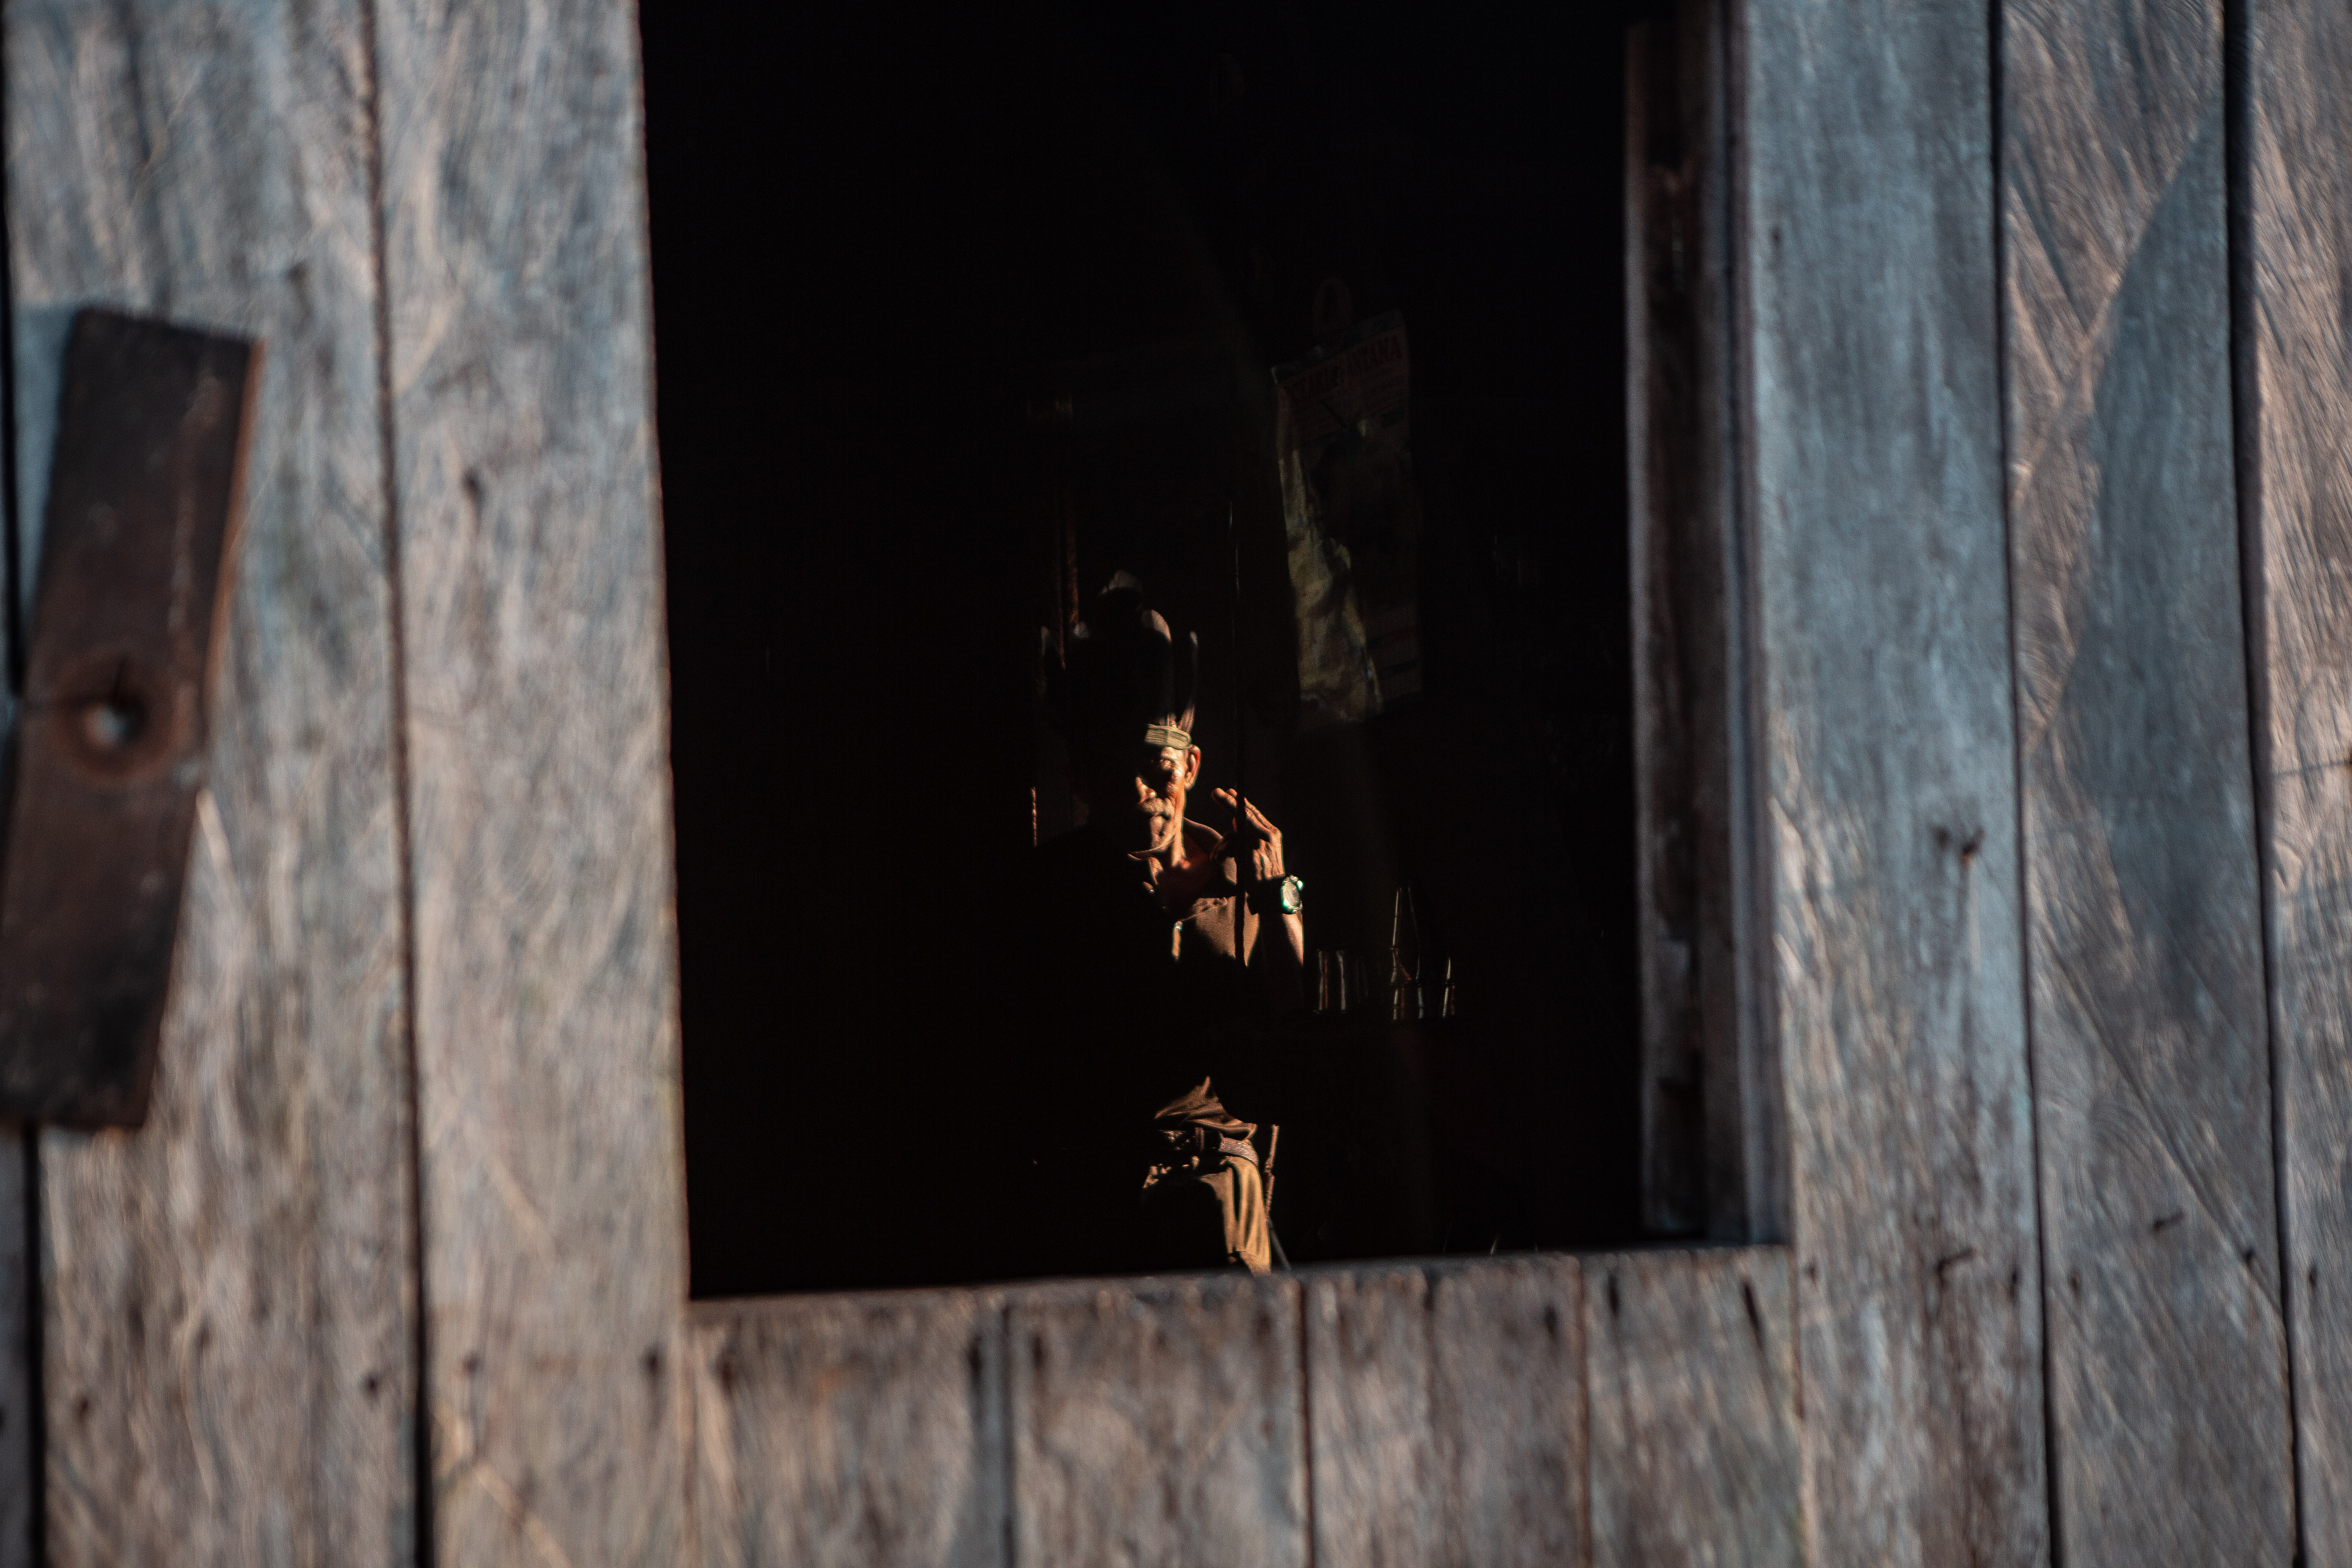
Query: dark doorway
[958, 308]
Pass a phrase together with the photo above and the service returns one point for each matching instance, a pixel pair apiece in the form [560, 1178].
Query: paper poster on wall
[1352, 520]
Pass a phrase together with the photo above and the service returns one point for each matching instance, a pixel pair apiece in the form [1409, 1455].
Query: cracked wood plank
[1875, 538]
[1508, 1410]
[861, 1431]
[2296, 345]
[2144, 942]
[520, 351]
[1692, 1380]
[1158, 1423]
[1370, 1436]
[1446, 1413]
[229, 1332]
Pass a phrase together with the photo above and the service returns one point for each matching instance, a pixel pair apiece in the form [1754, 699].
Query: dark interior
[954, 302]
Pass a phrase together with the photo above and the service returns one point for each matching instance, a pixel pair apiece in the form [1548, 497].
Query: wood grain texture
[2150, 1040]
[2296, 343]
[1508, 1413]
[1874, 518]
[851, 1431]
[531, 634]
[229, 1368]
[20, 1488]
[1691, 1374]
[1158, 1423]
[1379, 1499]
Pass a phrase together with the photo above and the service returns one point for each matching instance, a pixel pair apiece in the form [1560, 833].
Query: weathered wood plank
[1692, 1379]
[531, 635]
[229, 1341]
[861, 1431]
[20, 1488]
[1872, 407]
[1371, 1456]
[2144, 944]
[1157, 1424]
[2295, 337]
[1508, 1410]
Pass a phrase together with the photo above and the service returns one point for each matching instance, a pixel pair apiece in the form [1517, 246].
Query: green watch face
[1293, 895]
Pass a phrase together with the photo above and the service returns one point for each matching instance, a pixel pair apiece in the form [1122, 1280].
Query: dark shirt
[1142, 1010]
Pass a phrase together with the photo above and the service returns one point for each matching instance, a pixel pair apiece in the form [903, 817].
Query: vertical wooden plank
[532, 641]
[1873, 509]
[1377, 1495]
[1713, 1141]
[2150, 1042]
[1691, 1360]
[229, 1341]
[861, 1431]
[1507, 1412]
[1667, 635]
[20, 1488]
[2295, 337]
[1157, 1424]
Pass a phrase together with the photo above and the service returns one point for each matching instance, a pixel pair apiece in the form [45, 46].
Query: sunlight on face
[1138, 793]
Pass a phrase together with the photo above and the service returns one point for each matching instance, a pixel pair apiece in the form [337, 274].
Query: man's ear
[1191, 765]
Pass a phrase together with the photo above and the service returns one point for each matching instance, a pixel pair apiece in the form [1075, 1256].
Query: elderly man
[1163, 949]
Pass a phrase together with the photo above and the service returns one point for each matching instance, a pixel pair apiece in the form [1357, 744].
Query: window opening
[958, 316]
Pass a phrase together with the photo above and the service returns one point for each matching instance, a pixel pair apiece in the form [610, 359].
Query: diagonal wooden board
[2143, 941]
[229, 1338]
[138, 546]
[1871, 507]
[2295, 347]
[531, 569]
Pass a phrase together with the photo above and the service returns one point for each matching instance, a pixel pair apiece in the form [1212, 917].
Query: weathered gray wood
[19, 1487]
[532, 635]
[1508, 1411]
[1692, 1380]
[855, 1431]
[2150, 1042]
[1378, 1498]
[1871, 402]
[1157, 1424]
[2295, 339]
[229, 1341]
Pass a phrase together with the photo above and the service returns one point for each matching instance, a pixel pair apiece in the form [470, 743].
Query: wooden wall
[2033, 513]
[1617, 1409]
[2041, 402]
[400, 1251]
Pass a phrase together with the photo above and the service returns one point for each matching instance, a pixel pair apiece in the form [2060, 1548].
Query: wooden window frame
[1714, 1137]
[1535, 1407]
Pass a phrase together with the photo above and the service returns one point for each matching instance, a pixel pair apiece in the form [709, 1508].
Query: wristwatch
[1279, 896]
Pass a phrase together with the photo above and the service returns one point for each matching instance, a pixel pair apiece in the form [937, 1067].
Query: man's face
[1137, 794]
